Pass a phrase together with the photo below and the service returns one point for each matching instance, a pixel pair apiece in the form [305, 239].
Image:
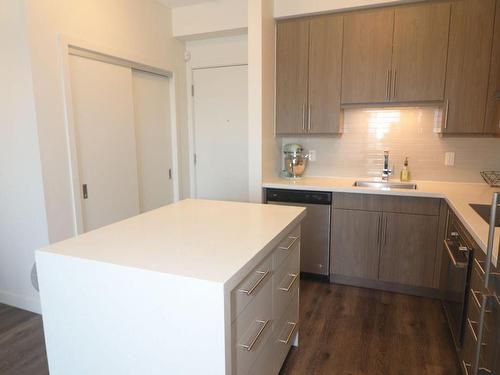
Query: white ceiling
[181, 3]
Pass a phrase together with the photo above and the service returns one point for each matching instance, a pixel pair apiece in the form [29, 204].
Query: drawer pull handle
[294, 277]
[474, 297]
[481, 269]
[452, 257]
[466, 367]
[263, 325]
[294, 239]
[290, 334]
[257, 283]
[471, 324]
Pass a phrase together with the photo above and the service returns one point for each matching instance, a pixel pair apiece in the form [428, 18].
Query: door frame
[191, 120]
[107, 55]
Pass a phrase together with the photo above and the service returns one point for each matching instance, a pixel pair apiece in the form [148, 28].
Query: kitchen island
[190, 288]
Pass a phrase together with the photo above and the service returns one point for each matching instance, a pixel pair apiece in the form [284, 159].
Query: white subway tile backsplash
[411, 132]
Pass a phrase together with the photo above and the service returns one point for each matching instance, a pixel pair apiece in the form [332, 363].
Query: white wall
[210, 52]
[215, 18]
[263, 148]
[271, 150]
[23, 226]
[291, 8]
[138, 28]
[228, 50]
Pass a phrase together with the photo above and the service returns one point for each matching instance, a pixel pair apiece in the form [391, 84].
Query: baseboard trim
[21, 302]
[385, 286]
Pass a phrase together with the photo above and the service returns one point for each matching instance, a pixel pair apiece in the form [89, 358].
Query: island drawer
[250, 287]
[286, 281]
[286, 247]
[285, 330]
[251, 331]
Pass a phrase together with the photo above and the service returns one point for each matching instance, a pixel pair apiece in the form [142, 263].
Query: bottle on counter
[405, 172]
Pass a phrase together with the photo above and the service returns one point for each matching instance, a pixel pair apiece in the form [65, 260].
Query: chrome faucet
[386, 172]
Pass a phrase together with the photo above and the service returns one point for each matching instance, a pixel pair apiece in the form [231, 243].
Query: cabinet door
[367, 56]
[469, 58]
[325, 75]
[355, 243]
[292, 59]
[419, 54]
[492, 124]
[408, 250]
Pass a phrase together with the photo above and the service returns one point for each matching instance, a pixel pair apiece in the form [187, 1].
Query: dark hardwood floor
[22, 347]
[353, 331]
[344, 331]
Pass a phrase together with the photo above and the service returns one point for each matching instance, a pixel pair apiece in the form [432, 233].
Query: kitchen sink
[385, 185]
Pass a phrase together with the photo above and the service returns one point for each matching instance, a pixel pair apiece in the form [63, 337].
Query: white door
[154, 139]
[105, 139]
[221, 133]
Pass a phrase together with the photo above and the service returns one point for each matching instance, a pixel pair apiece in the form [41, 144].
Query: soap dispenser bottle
[405, 172]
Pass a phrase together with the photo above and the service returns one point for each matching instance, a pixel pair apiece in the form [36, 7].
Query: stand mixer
[295, 161]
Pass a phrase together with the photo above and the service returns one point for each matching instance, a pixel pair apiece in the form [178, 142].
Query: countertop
[457, 195]
[207, 240]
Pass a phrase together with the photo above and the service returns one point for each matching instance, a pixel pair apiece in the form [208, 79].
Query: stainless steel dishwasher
[315, 230]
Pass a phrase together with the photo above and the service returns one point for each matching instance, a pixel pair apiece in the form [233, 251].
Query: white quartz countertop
[207, 240]
[457, 195]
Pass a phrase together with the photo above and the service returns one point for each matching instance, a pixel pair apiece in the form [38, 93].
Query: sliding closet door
[154, 139]
[103, 110]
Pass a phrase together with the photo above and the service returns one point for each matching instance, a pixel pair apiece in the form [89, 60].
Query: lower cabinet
[265, 311]
[355, 243]
[382, 240]
[408, 249]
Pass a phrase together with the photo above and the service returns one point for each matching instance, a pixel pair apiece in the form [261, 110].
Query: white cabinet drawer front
[286, 281]
[251, 331]
[286, 247]
[250, 287]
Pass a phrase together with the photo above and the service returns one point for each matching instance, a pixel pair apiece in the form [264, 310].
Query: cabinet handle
[252, 343]
[446, 112]
[294, 277]
[294, 239]
[304, 118]
[474, 297]
[452, 257]
[379, 229]
[387, 84]
[309, 118]
[471, 327]
[394, 83]
[385, 232]
[290, 334]
[466, 366]
[254, 286]
[481, 269]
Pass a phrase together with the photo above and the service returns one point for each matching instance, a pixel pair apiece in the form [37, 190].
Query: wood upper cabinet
[308, 76]
[419, 52]
[325, 75]
[492, 124]
[396, 54]
[292, 75]
[468, 67]
[355, 243]
[408, 250]
[367, 56]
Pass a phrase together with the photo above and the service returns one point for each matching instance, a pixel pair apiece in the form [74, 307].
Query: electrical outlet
[312, 155]
[449, 159]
